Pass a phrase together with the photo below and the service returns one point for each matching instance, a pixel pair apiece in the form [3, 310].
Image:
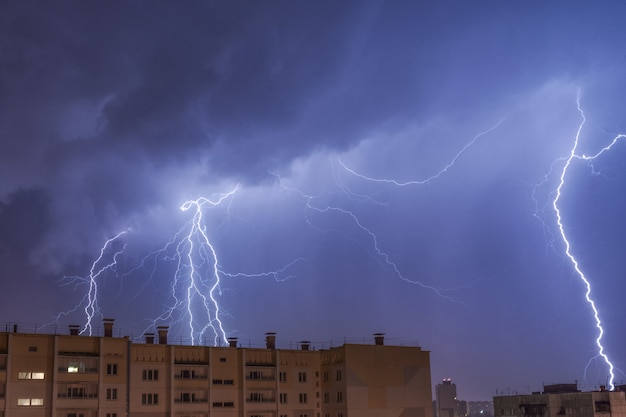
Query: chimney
[162, 330]
[74, 328]
[379, 339]
[270, 340]
[149, 338]
[108, 327]
[305, 344]
[232, 342]
[15, 328]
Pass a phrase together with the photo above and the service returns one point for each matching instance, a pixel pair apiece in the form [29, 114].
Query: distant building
[562, 400]
[447, 404]
[480, 408]
[92, 376]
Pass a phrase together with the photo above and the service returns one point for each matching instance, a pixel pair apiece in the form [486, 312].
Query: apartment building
[562, 400]
[73, 375]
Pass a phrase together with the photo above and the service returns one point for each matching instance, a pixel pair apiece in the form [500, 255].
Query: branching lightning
[312, 203]
[195, 285]
[434, 176]
[573, 155]
[98, 267]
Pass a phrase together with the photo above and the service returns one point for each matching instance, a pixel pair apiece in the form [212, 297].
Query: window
[340, 397]
[218, 381]
[111, 393]
[229, 404]
[27, 402]
[283, 398]
[111, 414]
[301, 376]
[603, 407]
[150, 375]
[32, 348]
[282, 376]
[303, 398]
[304, 415]
[222, 359]
[149, 399]
[111, 369]
[76, 392]
[338, 375]
[75, 367]
[30, 375]
[326, 397]
[229, 382]
[325, 376]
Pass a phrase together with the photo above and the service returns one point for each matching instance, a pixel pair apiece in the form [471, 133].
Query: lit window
[25, 402]
[75, 367]
[30, 375]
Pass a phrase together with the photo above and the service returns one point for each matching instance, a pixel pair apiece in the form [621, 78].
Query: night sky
[395, 166]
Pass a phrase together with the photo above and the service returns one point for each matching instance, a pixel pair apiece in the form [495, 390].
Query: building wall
[377, 381]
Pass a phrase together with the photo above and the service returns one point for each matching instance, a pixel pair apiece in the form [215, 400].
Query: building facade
[562, 400]
[73, 375]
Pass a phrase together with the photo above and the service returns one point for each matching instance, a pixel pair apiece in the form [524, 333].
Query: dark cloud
[113, 114]
[24, 220]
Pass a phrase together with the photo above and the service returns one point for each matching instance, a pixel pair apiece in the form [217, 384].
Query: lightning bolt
[312, 205]
[573, 156]
[98, 268]
[198, 242]
[434, 176]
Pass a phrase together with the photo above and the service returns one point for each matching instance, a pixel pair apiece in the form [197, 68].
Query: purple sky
[113, 114]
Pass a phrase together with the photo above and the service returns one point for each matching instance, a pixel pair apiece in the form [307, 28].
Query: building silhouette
[72, 375]
[447, 404]
[562, 400]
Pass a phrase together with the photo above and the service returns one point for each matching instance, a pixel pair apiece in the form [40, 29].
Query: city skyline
[323, 170]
